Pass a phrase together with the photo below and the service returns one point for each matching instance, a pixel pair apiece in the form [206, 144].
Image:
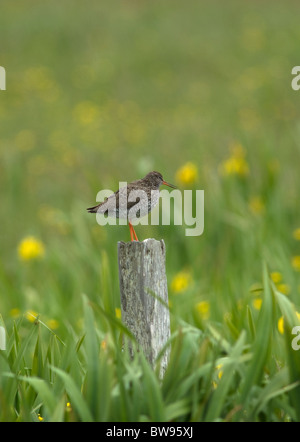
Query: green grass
[99, 94]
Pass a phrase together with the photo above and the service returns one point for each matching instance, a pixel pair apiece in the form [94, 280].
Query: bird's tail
[93, 209]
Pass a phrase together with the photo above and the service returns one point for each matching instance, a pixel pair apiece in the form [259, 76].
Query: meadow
[99, 93]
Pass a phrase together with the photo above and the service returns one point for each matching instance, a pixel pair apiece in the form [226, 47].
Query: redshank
[143, 193]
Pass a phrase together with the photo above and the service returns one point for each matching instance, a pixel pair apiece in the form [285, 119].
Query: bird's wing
[111, 202]
[129, 203]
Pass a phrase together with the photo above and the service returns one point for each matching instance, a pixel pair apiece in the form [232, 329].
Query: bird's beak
[170, 185]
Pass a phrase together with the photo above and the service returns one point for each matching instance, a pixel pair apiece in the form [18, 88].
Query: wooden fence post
[144, 296]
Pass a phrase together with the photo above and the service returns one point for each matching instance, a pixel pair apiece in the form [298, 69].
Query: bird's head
[156, 180]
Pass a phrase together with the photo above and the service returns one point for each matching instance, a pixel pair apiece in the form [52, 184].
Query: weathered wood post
[144, 296]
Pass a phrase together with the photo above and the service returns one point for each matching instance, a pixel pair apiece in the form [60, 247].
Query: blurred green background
[101, 92]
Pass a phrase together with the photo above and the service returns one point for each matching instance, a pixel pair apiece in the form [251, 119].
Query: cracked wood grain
[144, 296]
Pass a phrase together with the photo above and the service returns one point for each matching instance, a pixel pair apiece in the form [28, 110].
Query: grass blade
[76, 398]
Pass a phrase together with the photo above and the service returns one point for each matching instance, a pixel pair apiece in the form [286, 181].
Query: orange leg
[132, 232]
[130, 229]
[136, 238]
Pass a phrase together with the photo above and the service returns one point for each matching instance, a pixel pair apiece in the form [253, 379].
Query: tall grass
[90, 377]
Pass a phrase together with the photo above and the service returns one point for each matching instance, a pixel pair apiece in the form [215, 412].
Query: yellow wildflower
[236, 164]
[181, 282]
[31, 248]
[15, 313]
[103, 344]
[52, 323]
[40, 418]
[118, 313]
[187, 174]
[280, 325]
[220, 372]
[276, 277]
[256, 205]
[296, 234]
[296, 263]
[31, 315]
[281, 287]
[39, 80]
[86, 113]
[203, 308]
[257, 302]
[284, 289]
